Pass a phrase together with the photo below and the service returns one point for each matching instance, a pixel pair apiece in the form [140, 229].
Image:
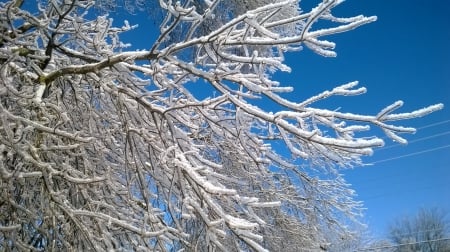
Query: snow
[125, 142]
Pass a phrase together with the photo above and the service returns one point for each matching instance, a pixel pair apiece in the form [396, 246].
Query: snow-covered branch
[103, 147]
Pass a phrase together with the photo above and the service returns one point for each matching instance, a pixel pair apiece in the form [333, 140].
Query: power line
[412, 154]
[403, 244]
[423, 138]
[409, 234]
[399, 157]
[421, 231]
[417, 140]
[434, 124]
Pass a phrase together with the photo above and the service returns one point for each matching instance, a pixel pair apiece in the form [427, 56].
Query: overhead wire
[417, 140]
[429, 125]
[421, 231]
[409, 155]
[434, 124]
[415, 153]
[412, 154]
[402, 244]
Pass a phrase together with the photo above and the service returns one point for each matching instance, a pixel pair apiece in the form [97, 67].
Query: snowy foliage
[106, 148]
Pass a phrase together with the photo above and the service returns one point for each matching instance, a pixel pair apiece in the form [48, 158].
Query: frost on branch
[107, 148]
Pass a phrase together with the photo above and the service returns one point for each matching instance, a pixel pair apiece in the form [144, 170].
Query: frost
[239, 223]
[172, 147]
[39, 93]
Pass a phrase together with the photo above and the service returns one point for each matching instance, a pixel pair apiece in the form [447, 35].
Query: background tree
[107, 148]
[427, 231]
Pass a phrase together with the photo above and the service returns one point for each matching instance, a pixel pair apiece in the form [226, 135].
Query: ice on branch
[189, 144]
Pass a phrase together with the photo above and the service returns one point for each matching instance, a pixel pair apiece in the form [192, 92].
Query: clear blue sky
[405, 55]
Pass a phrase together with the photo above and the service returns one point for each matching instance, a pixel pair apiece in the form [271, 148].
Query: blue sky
[403, 56]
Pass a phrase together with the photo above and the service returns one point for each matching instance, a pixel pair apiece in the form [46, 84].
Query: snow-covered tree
[107, 148]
